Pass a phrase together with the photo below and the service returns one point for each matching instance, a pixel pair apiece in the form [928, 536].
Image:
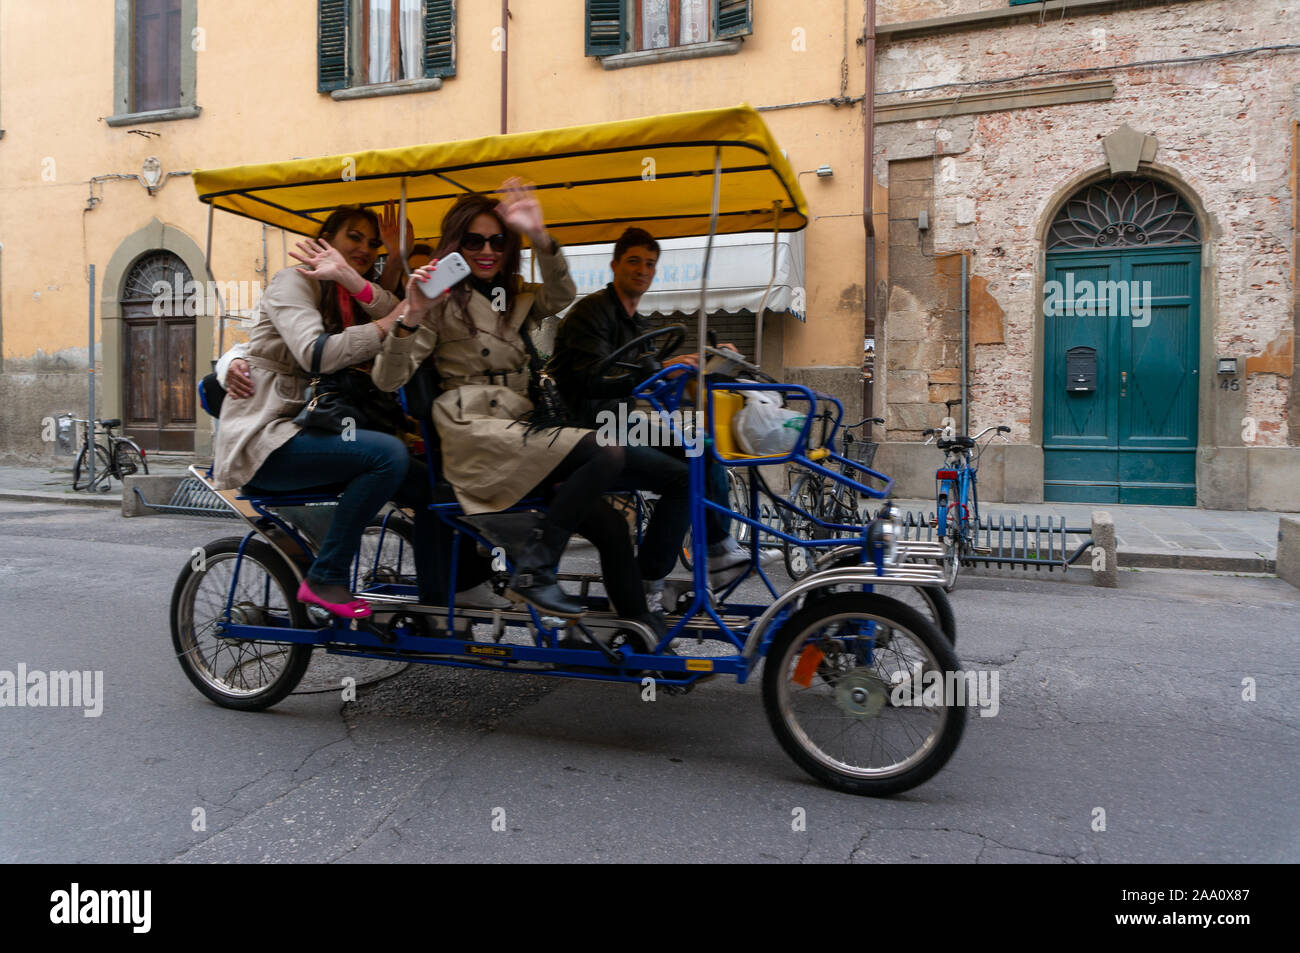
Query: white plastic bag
[764, 428]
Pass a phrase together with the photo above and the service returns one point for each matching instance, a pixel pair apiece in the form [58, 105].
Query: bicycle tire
[103, 469]
[275, 668]
[815, 675]
[129, 459]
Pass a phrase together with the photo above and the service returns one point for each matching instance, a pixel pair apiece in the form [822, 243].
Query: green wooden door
[1121, 333]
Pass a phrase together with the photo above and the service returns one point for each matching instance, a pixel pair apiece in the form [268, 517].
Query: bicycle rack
[1004, 542]
[191, 498]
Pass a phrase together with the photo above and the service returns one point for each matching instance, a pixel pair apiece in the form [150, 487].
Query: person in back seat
[433, 537]
[474, 333]
[258, 444]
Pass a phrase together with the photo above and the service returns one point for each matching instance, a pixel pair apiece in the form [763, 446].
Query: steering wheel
[618, 369]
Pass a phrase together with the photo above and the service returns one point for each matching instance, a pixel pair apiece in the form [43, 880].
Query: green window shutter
[1018, 2]
[732, 18]
[440, 38]
[332, 45]
[605, 31]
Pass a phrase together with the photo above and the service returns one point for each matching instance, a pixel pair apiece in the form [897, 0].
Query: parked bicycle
[120, 457]
[956, 507]
[827, 499]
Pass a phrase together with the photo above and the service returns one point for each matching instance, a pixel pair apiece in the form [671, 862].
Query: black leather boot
[534, 544]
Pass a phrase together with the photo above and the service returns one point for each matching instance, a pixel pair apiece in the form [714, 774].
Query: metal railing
[1004, 542]
[191, 498]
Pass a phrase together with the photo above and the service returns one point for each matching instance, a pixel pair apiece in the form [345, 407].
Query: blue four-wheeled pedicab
[850, 649]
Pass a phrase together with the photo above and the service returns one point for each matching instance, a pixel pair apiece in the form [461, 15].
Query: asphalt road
[1129, 701]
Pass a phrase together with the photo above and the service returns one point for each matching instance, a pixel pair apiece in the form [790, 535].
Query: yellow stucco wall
[256, 85]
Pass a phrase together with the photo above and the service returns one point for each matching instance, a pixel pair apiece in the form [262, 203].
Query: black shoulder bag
[334, 399]
[549, 410]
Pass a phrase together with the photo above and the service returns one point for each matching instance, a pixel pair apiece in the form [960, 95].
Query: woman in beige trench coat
[473, 333]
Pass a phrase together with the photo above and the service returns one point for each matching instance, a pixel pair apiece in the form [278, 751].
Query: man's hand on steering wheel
[626, 367]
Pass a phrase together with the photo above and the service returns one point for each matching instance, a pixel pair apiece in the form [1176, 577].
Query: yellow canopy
[593, 181]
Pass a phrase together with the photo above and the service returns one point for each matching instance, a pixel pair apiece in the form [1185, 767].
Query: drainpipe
[868, 183]
[505, 58]
[965, 322]
[90, 376]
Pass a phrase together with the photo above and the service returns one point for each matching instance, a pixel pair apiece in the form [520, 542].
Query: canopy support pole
[771, 280]
[401, 226]
[704, 280]
[221, 305]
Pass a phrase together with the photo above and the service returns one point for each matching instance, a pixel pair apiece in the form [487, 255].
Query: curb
[1210, 560]
[103, 500]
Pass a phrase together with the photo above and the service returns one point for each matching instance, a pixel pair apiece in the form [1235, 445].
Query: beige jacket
[484, 453]
[286, 324]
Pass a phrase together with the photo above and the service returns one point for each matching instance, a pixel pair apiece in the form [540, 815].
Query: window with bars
[624, 26]
[369, 42]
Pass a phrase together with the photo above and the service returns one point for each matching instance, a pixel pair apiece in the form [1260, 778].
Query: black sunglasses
[473, 241]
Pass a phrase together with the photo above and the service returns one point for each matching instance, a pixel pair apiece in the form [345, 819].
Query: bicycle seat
[115, 422]
[965, 443]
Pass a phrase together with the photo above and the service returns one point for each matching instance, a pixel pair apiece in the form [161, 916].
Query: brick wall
[1223, 127]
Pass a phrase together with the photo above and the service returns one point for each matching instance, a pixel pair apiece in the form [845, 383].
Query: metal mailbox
[1081, 369]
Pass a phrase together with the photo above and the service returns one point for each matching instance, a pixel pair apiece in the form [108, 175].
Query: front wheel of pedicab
[844, 689]
[238, 673]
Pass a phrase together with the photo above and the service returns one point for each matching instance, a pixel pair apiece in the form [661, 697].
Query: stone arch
[153, 237]
[1210, 232]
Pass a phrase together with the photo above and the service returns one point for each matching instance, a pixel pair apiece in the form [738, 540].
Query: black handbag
[346, 396]
[549, 409]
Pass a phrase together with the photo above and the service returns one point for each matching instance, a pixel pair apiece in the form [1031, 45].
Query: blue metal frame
[965, 490]
[665, 392]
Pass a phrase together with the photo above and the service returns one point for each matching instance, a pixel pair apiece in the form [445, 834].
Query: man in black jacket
[596, 327]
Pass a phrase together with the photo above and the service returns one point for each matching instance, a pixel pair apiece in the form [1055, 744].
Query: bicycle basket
[861, 451]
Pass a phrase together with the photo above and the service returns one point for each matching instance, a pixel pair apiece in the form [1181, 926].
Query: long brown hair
[339, 219]
[454, 226]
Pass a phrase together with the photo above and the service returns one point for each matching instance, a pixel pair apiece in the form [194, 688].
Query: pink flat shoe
[356, 609]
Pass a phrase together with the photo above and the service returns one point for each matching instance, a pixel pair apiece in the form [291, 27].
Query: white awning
[739, 270]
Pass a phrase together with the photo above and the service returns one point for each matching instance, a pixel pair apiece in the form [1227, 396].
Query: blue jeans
[373, 466]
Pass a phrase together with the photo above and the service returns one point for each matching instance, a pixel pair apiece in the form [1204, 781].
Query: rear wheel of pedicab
[842, 687]
[237, 673]
[387, 554]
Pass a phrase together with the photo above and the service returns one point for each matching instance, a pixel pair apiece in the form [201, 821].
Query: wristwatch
[406, 327]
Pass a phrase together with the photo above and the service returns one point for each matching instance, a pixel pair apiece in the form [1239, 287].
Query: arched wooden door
[1121, 313]
[158, 353]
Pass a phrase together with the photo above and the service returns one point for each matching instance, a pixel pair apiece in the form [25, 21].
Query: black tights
[577, 504]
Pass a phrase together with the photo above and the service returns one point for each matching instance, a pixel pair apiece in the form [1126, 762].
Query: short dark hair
[422, 249]
[634, 238]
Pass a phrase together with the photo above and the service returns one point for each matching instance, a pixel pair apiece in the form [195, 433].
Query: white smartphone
[448, 272]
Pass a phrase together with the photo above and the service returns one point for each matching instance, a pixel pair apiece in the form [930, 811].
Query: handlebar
[865, 420]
